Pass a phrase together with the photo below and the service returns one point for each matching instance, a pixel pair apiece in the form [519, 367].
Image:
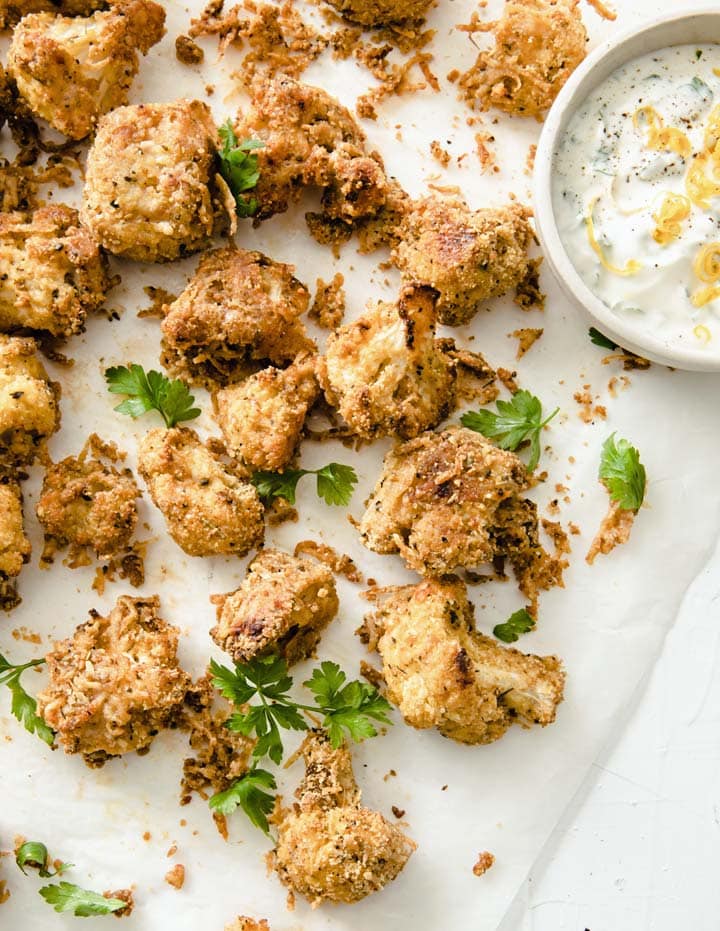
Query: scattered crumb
[530, 159]
[602, 10]
[146, 836]
[390, 774]
[280, 511]
[484, 861]
[371, 674]
[508, 379]
[526, 337]
[485, 153]
[574, 529]
[528, 295]
[439, 154]
[126, 896]
[187, 51]
[172, 850]
[26, 635]
[4, 892]
[630, 361]
[328, 308]
[221, 825]
[159, 297]
[398, 812]
[175, 876]
[339, 563]
[588, 410]
[614, 530]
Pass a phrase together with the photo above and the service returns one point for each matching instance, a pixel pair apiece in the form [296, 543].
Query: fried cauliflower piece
[150, 180]
[380, 12]
[85, 503]
[453, 499]
[72, 70]
[441, 672]
[209, 510]
[330, 848]
[29, 411]
[282, 606]
[115, 683]
[538, 45]
[468, 256]
[52, 272]
[239, 308]
[385, 372]
[15, 547]
[12, 11]
[309, 138]
[262, 418]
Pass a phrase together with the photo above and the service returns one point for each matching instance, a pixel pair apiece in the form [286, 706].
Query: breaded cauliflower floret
[150, 180]
[72, 70]
[442, 673]
[88, 504]
[29, 411]
[238, 309]
[12, 11]
[282, 606]
[468, 256]
[52, 272]
[310, 139]
[262, 418]
[453, 499]
[538, 45]
[209, 510]
[115, 683]
[330, 848]
[380, 12]
[385, 373]
[14, 545]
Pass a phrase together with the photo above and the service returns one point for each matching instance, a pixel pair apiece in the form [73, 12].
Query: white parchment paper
[607, 623]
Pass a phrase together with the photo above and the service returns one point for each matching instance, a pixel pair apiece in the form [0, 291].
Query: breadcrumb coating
[150, 180]
[380, 12]
[282, 606]
[29, 411]
[441, 672]
[614, 531]
[468, 256]
[209, 510]
[240, 308]
[12, 11]
[330, 848]
[15, 547]
[385, 372]
[310, 139]
[115, 683]
[538, 45]
[88, 504]
[262, 418]
[72, 70]
[52, 272]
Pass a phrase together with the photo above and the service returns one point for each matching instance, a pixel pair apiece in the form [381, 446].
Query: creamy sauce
[636, 193]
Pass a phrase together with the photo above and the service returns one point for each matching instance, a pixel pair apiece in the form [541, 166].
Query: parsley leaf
[622, 473]
[67, 897]
[151, 391]
[517, 420]
[518, 623]
[239, 167]
[335, 483]
[23, 706]
[599, 339]
[35, 855]
[350, 707]
[248, 793]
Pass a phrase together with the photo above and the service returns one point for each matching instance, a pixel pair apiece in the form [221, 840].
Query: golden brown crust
[72, 70]
[52, 272]
[442, 673]
[209, 510]
[328, 308]
[380, 12]
[12, 11]
[330, 848]
[239, 308]
[15, 547]
[282, 606]
[115, 683]
[614, 530]
[262, 418]
[467, 256]
[385, 373]
[148, 191]
[29, 411]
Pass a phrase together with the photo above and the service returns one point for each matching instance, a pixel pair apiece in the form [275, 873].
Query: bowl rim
[575, 90]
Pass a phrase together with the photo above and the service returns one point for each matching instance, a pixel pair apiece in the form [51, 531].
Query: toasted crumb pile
[239, 309]
[52, 273]
[538, 45]
[115, 683]
[15, 547]
[441, 672]
[614, 530]
[328, 308]
[282, 606]
[330, 848]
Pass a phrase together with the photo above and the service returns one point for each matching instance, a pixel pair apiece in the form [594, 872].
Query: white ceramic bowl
[678, 28]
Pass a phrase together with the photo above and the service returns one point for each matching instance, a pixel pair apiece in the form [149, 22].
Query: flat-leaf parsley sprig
[34, 854]
[23, 706]
[622, 473]
[334, 483]
[83, 903]
[151, 391]
[516, 421]
[520, 622]
[239, 168]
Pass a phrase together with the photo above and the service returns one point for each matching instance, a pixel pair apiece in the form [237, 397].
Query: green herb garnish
[35, 855]
[335, 483]
[518, 623]
[67, 897]
[248, 793]
[24, 706]
[599, 339]
[622, 473]
[151, 391]
[239, 168]
[516, 421]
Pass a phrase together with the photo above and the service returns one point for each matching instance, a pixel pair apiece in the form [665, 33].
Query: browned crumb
[484, 861]
[280, 511]
[26, 635]
[395, 79]
[187, 51]
[339, 563]
[527, 291]
[439, 154]
[389, 775]
[328, 308]
[159, 300]
[486, 154]
[475, 377]
[508, 379]
[530, 160]
[398, 812]
[4, 892]
[147, 836]
[526, 337]
[574, 529]
[247, 924]
[630, 361]
[172, 850]
[125, 895]
[175, 876]
[614, 530]
[373, 676]
[602, 10]
[588, 409]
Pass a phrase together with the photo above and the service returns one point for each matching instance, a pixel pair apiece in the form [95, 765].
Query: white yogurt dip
[636, 193]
